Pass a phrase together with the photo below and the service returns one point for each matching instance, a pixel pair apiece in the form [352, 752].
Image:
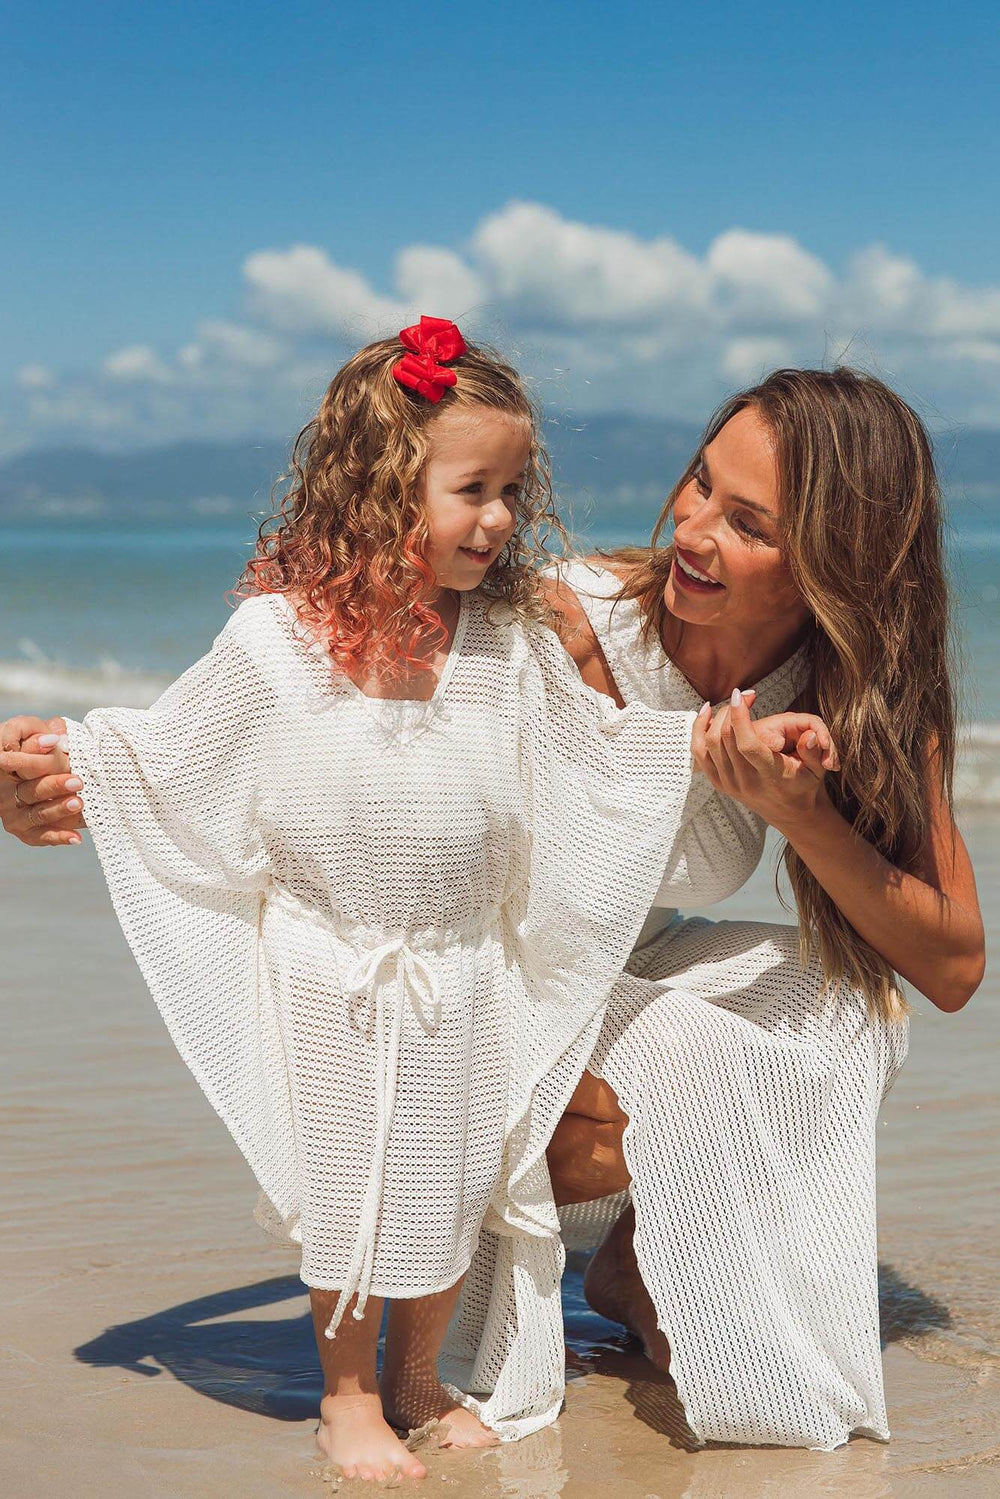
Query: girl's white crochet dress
[382, 933]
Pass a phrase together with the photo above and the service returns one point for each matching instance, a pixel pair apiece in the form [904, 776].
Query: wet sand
[155, 1343]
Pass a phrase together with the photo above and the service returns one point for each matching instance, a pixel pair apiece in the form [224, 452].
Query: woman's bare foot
[410, 1403]
[354, 1434]
[615, 1289]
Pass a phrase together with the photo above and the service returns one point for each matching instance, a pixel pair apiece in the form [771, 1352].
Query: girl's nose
[496, 518]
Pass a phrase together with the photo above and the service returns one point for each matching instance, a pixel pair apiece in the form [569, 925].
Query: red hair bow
[431, 340]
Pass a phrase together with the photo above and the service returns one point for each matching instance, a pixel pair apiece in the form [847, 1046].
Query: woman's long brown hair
[862, 532]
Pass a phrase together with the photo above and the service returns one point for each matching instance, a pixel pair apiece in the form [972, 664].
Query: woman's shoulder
[576, 631]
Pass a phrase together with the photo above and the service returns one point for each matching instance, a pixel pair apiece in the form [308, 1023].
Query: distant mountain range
[609, 470]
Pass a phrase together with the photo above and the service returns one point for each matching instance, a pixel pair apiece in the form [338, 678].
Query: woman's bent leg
[585, 1156]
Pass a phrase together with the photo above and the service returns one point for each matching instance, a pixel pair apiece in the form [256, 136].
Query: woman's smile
[691, 578]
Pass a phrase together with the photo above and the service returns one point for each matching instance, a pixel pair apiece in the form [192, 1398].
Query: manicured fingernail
[76, 838]
[48, 740]
[73, 805]
[736, 698]
[62, 742]
[749, 692]
[705, 708]
[74, 783]
[810, 741]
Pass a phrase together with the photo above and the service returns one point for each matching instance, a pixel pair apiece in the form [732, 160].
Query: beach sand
[155, 1343]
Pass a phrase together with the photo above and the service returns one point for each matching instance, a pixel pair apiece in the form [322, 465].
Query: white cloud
[746, 360]
[438, 282]
[976, 350]
[598, 318]
[34, 377]
[767, 277]
[301, 290]
[138, 362]
[552, 270]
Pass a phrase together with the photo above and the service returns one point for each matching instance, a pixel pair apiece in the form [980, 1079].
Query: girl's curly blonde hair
[348, 536]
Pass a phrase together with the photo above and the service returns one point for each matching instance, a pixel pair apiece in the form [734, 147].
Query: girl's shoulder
[263, 627]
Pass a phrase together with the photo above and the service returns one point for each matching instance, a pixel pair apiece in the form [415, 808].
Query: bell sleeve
[170, 797]
[603, 794]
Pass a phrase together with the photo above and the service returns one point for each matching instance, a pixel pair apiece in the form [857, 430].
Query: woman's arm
[927, 925]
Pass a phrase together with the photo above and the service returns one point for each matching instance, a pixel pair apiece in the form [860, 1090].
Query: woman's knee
[586, 1159]
[593, 1098]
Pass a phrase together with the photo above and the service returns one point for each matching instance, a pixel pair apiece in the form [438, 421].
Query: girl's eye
[473, 488]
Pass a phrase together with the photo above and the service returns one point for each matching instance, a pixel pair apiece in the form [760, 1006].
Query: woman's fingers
[56, 838]
[67, 810]
[792, 727]
[49, 788]
[745, 735]
[699, 743]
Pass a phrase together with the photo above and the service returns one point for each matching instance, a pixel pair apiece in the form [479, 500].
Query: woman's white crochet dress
[373, 928]
[752, 1099]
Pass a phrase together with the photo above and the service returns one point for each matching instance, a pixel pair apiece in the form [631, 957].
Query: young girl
[380, 856]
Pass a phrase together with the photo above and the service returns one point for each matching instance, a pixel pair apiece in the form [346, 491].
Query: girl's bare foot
[410, 1402]
[615, 1289]
[354, 1434]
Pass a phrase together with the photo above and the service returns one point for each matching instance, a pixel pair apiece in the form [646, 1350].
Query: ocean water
[92, 616]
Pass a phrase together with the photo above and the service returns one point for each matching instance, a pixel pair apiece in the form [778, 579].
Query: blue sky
[153, 151]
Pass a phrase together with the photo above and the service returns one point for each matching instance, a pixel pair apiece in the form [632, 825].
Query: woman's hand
[775, 766]
[39, 795]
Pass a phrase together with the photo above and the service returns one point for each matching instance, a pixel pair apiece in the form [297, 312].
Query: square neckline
[656, 655]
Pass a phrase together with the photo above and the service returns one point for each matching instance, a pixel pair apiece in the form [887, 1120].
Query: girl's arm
[927, 925]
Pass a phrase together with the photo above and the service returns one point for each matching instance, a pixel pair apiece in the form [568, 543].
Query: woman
[736, 1096]
[738, 1092]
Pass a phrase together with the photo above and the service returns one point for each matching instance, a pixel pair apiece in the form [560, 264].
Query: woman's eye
[749, 530]
[701, 484]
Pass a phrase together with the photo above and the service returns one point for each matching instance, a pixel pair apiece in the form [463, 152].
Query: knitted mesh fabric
[382, 934]
[752, 1098]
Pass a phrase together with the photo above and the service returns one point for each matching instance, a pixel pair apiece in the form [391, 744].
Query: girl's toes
[413, 1469]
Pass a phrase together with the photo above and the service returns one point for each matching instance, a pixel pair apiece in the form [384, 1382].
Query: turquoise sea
[92, 615]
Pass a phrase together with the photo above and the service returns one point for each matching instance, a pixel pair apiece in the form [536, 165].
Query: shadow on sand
[270, 1366]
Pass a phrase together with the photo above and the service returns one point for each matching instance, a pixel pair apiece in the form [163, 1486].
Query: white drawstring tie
[412, 976]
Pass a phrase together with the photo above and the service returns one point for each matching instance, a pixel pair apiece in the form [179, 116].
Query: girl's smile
[471, 483]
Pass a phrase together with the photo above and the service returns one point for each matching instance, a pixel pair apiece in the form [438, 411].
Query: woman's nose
[692, 538]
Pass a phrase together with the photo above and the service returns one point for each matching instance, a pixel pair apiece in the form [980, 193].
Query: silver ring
[17, 797]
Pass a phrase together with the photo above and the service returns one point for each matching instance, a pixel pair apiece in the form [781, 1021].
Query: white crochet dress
[752, 1099]
[373, 928]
